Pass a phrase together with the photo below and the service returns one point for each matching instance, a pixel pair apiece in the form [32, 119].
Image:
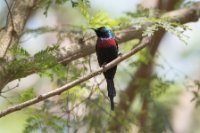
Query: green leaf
[24, 95]
[19, 52]
[44, 62]
[60, 1]
[83, 6]
[43, 120]
[47, 4]
[100, 18]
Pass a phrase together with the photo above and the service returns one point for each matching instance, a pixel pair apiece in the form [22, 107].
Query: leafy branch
[41, 62]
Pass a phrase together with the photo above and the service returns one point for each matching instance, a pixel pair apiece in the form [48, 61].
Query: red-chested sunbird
[107, 50]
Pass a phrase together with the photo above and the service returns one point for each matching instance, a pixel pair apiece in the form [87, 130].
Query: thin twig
[12, 27]
[12, 88]
[82, 101]
[6, 98]
[9, 13]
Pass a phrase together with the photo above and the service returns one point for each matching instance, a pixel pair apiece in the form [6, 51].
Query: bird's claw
[119, 54]
[103, 65]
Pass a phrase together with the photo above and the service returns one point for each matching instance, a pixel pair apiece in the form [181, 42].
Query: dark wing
[99, 55]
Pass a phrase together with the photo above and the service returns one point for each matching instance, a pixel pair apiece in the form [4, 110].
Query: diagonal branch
[188, 12]
[145, 41]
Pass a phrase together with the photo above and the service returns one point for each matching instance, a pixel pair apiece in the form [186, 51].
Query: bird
[106, 51]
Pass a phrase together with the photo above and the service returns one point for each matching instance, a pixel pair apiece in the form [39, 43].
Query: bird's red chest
[106, 42]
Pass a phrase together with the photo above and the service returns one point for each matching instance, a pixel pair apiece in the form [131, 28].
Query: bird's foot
[103, 65]
[119, 54]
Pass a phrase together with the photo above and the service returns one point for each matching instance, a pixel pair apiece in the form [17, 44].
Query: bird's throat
[106, 42]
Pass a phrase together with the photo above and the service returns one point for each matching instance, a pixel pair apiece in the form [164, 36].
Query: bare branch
[145, 41]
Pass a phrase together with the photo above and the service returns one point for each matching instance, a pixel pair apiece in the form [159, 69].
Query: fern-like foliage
[152, 24]
[43, 62]
[24, 95]
[94, 20]
[45, 121]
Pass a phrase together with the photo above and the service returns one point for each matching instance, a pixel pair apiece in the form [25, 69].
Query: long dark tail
[111, 91]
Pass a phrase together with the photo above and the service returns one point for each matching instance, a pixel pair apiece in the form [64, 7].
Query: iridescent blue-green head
[103, 32]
